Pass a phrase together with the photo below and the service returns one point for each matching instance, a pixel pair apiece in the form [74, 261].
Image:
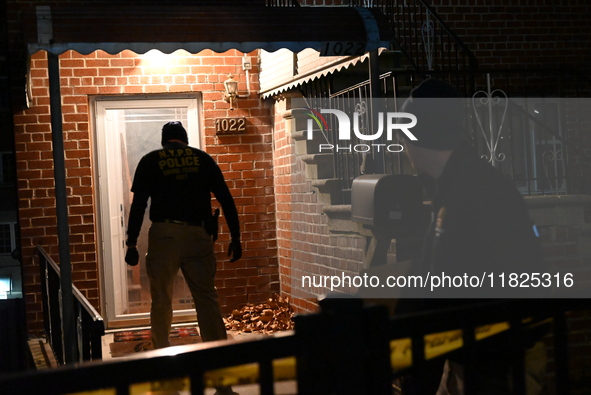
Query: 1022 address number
[230, 125]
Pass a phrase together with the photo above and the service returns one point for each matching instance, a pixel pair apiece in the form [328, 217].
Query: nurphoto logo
[388, 122]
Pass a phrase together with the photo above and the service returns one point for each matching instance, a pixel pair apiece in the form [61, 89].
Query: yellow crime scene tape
[284, 369]
[400, 357]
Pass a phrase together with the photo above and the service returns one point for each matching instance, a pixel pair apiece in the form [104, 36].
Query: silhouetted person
[179, 180]
[480, 223]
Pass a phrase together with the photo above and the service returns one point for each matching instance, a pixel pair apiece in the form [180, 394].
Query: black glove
[235, 250]
[132, 257]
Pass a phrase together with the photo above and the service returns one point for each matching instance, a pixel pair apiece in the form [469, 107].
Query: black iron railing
[344, 349]
[428, 43]
[532, 147]
[89, 324]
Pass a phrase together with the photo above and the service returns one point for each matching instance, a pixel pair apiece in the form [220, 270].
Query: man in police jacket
[179, 180]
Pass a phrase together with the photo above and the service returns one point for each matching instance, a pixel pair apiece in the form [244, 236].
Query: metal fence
[422, 36]
[518, 122]
[344, 349]
[89, 324]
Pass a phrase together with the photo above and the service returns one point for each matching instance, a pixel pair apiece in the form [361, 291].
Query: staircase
[425, 47]
[331, 173]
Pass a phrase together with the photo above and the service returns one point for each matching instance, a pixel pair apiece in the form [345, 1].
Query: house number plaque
[342, 48]
[230, 125]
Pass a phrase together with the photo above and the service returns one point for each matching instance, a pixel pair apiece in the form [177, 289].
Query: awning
[195, 28]
[322, 71]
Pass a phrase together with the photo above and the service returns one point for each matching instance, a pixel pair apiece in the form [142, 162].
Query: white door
[125, 131]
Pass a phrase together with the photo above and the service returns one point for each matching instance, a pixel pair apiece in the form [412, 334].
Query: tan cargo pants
[189, 248]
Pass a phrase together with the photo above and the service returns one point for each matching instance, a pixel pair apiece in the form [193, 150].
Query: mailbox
[393, 203]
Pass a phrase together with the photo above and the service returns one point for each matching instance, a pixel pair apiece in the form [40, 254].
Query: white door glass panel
[126, 130]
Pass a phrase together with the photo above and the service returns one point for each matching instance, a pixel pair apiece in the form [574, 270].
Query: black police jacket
[179, 180]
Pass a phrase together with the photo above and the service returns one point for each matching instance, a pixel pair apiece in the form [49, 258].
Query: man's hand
[132, 257]
[235, 250]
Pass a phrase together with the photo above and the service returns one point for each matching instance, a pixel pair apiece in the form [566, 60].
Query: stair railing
[425, 39]
[89, 324]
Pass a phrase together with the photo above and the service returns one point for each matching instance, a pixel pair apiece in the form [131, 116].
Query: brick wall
[306, 244]
[565, 233]
[522, 33]
[245, 159]
[283, 163]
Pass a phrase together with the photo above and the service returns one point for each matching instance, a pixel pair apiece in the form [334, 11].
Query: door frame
[108, 278]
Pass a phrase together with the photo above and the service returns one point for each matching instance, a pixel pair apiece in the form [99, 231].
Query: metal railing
[428, 43]
[281, 3]
[344, 349]
[532, 146]
[89, 324]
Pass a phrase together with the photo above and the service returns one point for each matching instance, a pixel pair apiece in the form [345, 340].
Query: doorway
[126, 129]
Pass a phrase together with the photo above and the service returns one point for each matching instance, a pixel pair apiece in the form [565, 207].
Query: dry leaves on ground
[273, 315]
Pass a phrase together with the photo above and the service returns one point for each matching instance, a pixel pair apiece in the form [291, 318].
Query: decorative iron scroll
[492, 133]
[428, 36]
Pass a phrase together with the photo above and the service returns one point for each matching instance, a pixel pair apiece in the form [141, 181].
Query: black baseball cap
[174, 130]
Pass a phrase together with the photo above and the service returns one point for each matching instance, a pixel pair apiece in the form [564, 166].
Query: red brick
[85, 81]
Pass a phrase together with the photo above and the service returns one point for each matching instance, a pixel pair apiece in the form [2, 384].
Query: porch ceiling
[245, 28]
